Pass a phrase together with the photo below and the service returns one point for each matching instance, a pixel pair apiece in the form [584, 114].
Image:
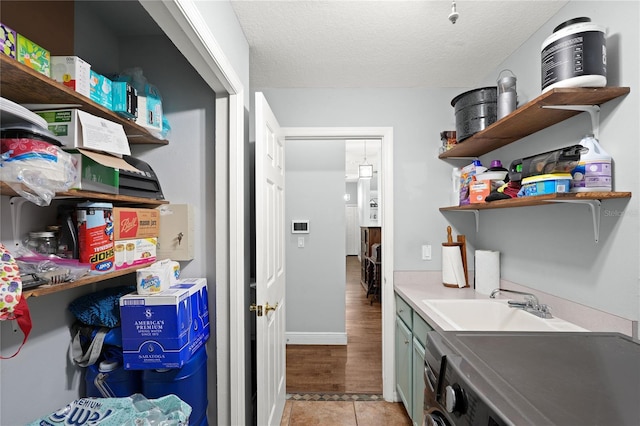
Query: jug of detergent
[593, 172]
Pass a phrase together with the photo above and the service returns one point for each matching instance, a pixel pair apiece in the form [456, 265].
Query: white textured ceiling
[386, 43]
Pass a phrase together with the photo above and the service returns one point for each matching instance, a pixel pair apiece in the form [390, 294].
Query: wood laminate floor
[355, 368]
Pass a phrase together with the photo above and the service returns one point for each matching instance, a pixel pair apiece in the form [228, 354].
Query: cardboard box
[100, 88]
[8, 40]
[125, 99]
[94, 173]
[136, 252]
[479, 190]
[132, 223]
[33, 55]
[164, 330]
[150, 108]
[79, 129]
[73, 72]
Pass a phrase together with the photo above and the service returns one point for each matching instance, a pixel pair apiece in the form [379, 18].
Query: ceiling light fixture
[454, 15]
[365, 171]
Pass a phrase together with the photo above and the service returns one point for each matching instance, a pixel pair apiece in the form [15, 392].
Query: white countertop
[415, 286]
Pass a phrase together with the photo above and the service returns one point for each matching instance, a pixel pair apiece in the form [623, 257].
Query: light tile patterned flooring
[344, 413]
[347, 390]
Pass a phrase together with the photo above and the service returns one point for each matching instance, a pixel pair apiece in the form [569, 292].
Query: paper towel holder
[461, 242]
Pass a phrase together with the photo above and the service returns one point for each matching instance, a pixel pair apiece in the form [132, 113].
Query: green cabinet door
[403, 363]
[417, 414]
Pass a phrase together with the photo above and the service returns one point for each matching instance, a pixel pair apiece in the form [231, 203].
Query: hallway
[342, 384]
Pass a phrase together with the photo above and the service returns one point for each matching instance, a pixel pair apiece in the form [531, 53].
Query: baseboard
[316, 338]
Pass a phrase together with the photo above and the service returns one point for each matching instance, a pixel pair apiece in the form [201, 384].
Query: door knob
[268, 307]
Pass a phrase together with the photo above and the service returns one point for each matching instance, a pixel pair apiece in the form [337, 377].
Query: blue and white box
[165, 329]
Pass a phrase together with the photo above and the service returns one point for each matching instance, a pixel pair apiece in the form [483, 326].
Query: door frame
[183, 23]
[385, 134]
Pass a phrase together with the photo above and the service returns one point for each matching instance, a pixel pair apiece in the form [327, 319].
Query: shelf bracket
[594, 206]
[476, 213]
[593, 110]
[16, 204]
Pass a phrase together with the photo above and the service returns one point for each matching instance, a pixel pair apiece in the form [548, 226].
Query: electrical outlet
[426, 252]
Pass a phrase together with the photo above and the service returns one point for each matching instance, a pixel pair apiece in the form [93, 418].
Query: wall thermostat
[299, 226]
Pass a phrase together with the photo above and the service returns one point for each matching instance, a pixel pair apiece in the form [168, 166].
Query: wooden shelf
[88, 195]
[540, 200]
[592, 199]
[91, 279]
[531, 118]
[24, 85]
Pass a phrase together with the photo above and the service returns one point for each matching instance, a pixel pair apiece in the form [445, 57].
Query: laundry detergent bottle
[593, 173]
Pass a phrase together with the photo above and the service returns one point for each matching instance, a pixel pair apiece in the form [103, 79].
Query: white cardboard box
[73, 72]
[79, 129]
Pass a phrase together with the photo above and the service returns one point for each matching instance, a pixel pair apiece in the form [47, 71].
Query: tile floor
[344, 413]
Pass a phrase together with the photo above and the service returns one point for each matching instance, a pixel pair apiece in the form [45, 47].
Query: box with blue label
[100, 88]
[124, 99]
[165, 329]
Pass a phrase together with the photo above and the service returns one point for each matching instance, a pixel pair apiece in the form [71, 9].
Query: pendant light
[365, 171]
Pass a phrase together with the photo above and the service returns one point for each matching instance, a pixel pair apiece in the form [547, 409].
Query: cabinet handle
[406, 342]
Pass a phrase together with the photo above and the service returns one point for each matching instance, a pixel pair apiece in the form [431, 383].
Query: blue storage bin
[109, 379]
[188, 383]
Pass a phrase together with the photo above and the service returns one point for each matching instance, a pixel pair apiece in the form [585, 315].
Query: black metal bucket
[475, 110]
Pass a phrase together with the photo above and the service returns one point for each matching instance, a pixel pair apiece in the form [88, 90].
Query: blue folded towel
[101, 308]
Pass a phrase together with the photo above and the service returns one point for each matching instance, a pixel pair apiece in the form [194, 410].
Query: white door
[270, 268]
[353, 231]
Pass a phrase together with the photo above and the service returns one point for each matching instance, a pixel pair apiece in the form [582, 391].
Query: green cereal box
[7, 41]
[33, 56]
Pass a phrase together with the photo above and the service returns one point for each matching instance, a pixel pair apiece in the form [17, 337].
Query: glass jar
[43, 242]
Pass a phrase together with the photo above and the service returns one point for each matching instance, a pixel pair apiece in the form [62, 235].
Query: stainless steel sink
[490, 315]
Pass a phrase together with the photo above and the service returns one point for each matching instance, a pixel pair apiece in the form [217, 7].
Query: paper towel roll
[487, 271]
[452, 267]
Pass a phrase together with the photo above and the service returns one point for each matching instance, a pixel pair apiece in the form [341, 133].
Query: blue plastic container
[546, 184]
[188, 383]
[109, 379]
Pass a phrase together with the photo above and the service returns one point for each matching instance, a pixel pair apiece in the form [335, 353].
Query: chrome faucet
[530, 304]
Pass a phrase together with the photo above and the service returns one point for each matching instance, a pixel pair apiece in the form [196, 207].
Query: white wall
[560, 257]
[351, 188]
[417, 117]
[223, 23]
[314, 173]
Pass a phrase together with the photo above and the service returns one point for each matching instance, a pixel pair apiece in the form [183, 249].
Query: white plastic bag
[35, 169]
[135, 410]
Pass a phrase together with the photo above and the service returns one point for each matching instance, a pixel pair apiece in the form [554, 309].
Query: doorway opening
[354, 367]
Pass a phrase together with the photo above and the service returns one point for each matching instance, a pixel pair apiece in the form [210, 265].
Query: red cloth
[512, 189]
[23, 318]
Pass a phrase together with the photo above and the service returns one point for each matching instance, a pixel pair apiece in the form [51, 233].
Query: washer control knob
[454, 399]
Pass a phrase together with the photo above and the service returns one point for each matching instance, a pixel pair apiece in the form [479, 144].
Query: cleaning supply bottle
[479, 167]
[593, 172]
[496, 166]
[456, 174]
